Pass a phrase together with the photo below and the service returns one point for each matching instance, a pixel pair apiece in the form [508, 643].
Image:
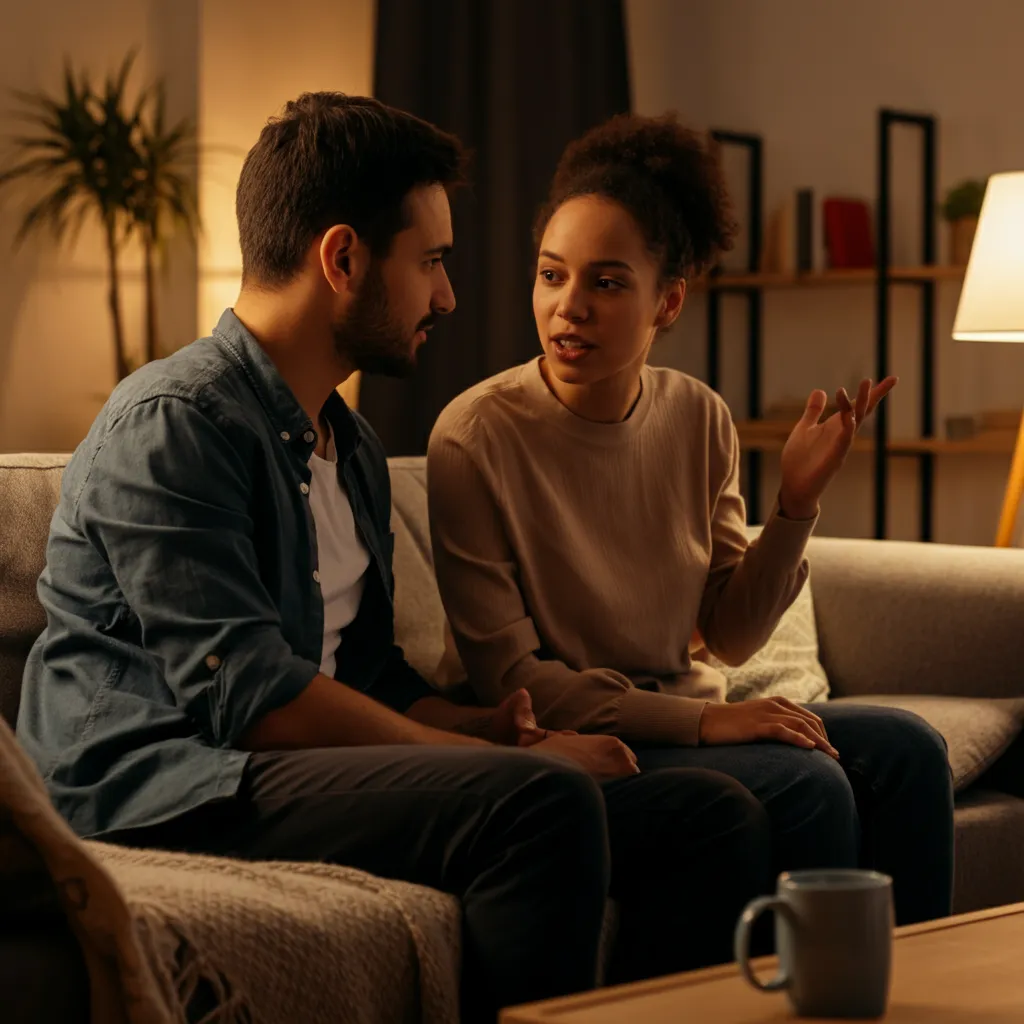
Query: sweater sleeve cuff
[649, 716]
[785, 539]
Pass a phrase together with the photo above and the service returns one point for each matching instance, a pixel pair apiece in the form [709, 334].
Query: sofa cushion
[787, 666]
[977, 730]
[419, 615]
[29, 488]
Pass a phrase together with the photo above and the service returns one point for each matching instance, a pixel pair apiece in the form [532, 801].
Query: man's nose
[444, 297]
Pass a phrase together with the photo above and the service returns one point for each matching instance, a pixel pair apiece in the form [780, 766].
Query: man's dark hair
[665, 175]
[334, 159]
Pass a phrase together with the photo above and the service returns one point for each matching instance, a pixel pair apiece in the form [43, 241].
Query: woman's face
[598, 299]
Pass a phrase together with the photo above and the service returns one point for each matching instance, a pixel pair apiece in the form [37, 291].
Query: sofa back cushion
[29, 487]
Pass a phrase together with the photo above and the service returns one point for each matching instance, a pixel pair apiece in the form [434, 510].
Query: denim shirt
[181, 586]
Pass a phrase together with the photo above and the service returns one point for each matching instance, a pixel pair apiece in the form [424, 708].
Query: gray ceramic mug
[833, 933]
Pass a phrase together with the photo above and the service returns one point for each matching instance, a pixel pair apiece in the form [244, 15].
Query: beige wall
[229, 64]
[809, 75]
[252, 61]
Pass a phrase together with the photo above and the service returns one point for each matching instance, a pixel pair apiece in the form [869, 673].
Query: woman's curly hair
[665, 175]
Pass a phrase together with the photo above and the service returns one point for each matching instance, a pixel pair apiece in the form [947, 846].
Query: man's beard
[369, 338]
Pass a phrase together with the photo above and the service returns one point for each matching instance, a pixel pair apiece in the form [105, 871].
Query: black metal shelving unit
[885, 282]
[755, 204]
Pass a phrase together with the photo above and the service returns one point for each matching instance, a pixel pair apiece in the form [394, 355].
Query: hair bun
[667, 176]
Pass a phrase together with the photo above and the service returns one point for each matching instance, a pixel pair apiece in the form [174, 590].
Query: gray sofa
[939, 629]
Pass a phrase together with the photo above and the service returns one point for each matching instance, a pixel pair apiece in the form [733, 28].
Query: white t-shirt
[343, 559]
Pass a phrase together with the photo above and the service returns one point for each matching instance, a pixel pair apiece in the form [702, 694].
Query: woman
[587, 522]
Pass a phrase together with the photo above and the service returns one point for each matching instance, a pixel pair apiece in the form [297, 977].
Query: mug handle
[741, 943]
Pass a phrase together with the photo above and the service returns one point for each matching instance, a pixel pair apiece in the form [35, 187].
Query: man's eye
[435, 261]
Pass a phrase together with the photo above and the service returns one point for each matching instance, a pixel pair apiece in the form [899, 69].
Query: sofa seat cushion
[977, 730]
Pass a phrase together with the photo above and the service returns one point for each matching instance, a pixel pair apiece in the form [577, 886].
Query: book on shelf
[848, 238]
[790, 245]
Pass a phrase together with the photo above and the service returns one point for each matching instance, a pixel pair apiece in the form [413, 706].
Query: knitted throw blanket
[173, 937]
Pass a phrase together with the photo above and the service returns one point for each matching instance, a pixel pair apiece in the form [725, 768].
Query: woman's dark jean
[887, 804]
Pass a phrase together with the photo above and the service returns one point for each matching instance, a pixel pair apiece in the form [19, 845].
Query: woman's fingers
[818, 724]
[780, 732]
[863, 398]
[793, 721]
[879, 391]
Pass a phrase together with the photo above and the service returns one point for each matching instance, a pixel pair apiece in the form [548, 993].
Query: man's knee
[555, 790]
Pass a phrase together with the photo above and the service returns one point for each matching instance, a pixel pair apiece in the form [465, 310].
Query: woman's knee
[921, 741]
[814, 813]
[729, 824]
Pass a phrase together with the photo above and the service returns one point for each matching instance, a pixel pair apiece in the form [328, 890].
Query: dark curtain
[515, 80]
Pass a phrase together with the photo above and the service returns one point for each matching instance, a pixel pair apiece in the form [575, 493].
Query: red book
[848, 239]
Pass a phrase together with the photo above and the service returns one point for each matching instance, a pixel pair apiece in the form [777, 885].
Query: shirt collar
[289, 419]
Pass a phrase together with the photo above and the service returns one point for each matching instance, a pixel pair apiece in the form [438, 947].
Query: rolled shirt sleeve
[168, 504]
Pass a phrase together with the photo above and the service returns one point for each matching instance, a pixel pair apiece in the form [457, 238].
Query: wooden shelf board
[825, 278]
[770, 436]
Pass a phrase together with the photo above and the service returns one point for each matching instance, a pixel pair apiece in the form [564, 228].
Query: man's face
[401, 295]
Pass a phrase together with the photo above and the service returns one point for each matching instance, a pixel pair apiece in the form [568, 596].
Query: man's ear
[671, 304]
[342, 257]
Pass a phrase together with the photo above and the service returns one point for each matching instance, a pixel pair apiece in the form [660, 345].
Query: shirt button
[304, 487]
[316, 575]
[309, 437]
[212, 662]
[285, 436]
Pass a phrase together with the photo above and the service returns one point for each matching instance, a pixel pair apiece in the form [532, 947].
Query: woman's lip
[558, 338]
[570, 354]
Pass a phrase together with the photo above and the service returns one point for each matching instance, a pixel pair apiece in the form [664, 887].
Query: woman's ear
[671, 304]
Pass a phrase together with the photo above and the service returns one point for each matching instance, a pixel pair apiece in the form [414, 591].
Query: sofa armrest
[896, 617]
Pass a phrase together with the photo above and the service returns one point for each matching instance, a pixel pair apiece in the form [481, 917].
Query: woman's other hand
[771, 719]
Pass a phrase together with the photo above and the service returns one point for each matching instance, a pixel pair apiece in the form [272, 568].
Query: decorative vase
[961, 238]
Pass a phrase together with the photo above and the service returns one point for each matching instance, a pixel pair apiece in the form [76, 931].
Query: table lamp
[992, 303]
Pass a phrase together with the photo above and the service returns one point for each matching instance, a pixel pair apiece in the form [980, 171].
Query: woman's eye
[548, 275]
[609, 284]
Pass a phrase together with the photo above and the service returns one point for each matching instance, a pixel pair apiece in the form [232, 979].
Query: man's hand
[604, 757]
[773, 718]
[510, 724]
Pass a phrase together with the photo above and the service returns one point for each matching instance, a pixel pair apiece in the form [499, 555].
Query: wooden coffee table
[954, 971]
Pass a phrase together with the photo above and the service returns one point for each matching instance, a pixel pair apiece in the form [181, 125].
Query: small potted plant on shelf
[961, 210]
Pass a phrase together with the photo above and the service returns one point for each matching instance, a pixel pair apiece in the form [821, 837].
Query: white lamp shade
[992, 301]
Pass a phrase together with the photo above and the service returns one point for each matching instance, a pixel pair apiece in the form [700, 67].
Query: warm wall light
[992, 302]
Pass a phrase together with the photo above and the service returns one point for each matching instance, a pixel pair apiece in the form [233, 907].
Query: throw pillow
[787, 666]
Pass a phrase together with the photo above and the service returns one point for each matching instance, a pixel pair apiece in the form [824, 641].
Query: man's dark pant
[887, 804]
[530, 844]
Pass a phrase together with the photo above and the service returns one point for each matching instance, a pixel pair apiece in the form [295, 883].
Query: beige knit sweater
[576, 559]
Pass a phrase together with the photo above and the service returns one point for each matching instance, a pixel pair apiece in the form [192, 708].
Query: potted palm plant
[89, 153]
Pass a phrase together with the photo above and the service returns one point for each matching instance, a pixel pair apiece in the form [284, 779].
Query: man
[218, 672]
